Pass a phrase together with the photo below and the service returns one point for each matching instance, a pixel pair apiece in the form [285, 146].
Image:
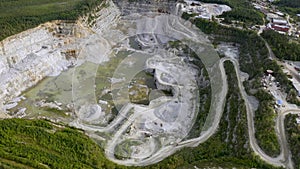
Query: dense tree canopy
[40, 144]
[19, 15]
[288, 3]
[283, 49]
[293, 137]
[242, 11]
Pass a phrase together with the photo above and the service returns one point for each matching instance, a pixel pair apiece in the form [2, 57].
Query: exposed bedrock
[28, 57]
[138, 6]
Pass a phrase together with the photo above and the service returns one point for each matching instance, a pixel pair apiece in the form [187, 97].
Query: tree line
[242, 11]
[281, 46]
[23, 14]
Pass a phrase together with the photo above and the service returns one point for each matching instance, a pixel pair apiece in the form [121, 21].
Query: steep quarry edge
[47, 50]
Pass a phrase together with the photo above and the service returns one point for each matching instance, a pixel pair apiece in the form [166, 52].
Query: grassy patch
[29, 144]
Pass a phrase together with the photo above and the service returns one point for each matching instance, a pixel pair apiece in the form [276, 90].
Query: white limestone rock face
[30, 56]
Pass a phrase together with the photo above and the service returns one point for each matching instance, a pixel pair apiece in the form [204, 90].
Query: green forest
[292, 7]
[40, 144]
[293, 137]
[253, 60]
[282, 48]
[242, 11]
[288, 3]
[19, 15]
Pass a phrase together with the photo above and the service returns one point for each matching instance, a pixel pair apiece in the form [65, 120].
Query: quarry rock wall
[30, 56]
[49, 49]
[138, 6]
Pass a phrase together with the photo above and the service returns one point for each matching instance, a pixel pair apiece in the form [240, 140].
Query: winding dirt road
[284, 159]
[219, 97]
[278, 161]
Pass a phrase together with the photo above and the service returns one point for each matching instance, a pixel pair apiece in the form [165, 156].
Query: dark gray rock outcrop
[138, 6]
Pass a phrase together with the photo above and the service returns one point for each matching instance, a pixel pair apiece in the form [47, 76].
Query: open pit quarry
[29, 57]
[68, 57]
[128, 74]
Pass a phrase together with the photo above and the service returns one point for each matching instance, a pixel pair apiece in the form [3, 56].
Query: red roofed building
[280, 28]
